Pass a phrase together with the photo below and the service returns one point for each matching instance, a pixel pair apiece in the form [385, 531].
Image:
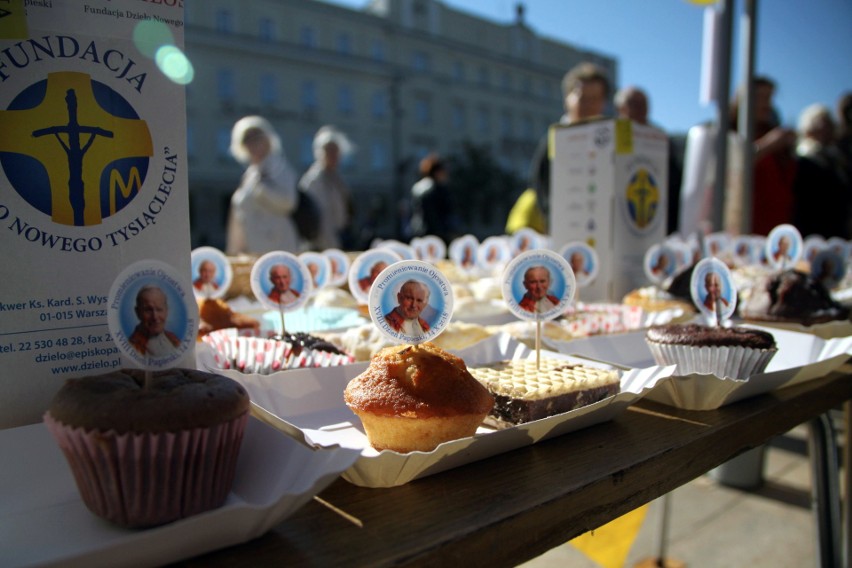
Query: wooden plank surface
[516, 506]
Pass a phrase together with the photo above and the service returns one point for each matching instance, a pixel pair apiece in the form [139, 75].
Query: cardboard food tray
[43, 521]
[308, 405]
[800, 357]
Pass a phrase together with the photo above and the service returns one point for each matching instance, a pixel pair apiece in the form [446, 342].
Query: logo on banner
[642, 199]
[74, 149]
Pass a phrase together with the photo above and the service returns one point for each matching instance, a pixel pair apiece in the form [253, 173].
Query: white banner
[92, 178]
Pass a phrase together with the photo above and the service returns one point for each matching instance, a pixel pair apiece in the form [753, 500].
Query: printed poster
[92, 179]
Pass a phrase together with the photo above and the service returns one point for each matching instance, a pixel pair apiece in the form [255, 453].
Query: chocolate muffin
[734, 352]
[149, 454]
[793, 297]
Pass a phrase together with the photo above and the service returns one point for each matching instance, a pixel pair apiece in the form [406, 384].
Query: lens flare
[175, 65]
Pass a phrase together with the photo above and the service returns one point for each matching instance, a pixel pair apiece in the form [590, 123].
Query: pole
[723, 86]
[745, 123]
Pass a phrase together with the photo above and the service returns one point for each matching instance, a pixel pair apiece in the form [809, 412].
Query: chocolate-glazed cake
[790, 296]
[524, 393]
[706, 336]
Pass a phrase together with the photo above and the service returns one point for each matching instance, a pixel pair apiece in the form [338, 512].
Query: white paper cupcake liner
[724, 362]
[233, 350]
[145, 479]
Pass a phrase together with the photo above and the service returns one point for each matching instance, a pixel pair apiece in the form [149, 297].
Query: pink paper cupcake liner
[142, 480]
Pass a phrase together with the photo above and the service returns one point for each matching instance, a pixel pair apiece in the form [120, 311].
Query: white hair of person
[328, 134]
[238, 133]
[812, 118]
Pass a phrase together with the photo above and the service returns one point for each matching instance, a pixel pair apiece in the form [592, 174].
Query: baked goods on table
[732, 352]
[415, 397]
[524, 391]
[790, 296]
[215, 314]
[252, 354]
[148, 454]
[654, 299]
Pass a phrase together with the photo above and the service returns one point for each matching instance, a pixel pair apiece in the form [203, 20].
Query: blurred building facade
[400, 77]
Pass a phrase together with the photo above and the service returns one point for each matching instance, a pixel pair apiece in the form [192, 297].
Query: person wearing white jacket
[259, 219]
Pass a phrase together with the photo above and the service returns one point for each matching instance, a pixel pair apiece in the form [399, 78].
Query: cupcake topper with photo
[660, 263]
[538, 285]
[783, 246]
[758, 247]
[682, 252]
[152, 315]
[840, 246]
[717, 245]
[339, 266]
[405, 252]
[430, 248]
[211, 273]
[743, 250]
[713, 290]
[463, 252]
[366, 268]
[411, 302]
[493, 253]
[584, 263]
[524, 239]
[812, 245]
[279, 280]
[828, 268]
[319, 266]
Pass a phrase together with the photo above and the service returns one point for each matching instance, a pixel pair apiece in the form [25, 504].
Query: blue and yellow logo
[643, 198]
[74, 148]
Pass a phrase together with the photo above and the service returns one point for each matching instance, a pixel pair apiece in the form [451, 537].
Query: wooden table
[516, 506]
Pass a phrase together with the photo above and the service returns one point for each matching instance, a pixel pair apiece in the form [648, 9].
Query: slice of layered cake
[524, 393]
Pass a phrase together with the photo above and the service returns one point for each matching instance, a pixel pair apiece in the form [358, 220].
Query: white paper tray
[308, 405]
[43, 522]
[800, 357]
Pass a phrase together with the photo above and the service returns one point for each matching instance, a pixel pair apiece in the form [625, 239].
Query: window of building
[223, 142]
[309, 96]
[422, 110]
[506, 123]
[505, 81]
[420, 61]
[306, 149]
[483, 77]
[483, 120]
[268, 89]
[377, 50]
[344, 43]
[225, 85]
[458, 116]
[458, 71]
[308, 36]
[266, 29]
[527, 128]
[526, 85]
[224, 21]
[379, 104]
[345, 100]
[190, 141]
[379, 155]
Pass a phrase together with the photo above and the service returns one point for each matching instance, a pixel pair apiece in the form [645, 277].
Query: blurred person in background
[821, 188]
[774, 159]
[259, 218]
[324, 183]
[586, 89]
[633, 103]
[432, 208]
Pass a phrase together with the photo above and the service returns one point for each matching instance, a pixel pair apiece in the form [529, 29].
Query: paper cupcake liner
[142, 480]
[725, 362]
[233, 350]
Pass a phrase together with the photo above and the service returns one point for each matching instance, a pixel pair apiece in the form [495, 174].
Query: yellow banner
[610, 544]
[13, 20]
[623, 136]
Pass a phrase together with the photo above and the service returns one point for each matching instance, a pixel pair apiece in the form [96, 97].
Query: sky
[805, 46]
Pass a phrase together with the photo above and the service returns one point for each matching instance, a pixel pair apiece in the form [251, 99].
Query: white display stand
[609, 188]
